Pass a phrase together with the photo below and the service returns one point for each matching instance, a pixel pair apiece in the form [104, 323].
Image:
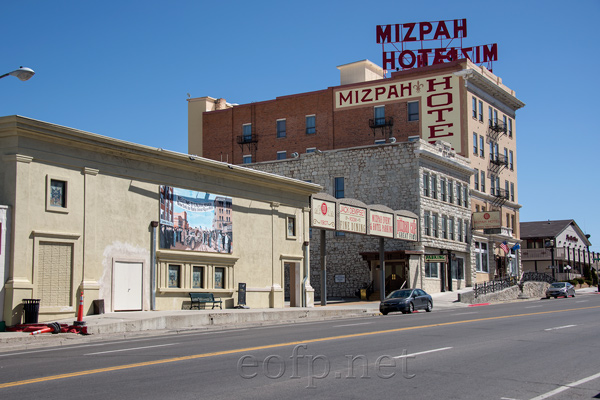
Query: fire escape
[249, 137]
[497, 161]
[382, 126]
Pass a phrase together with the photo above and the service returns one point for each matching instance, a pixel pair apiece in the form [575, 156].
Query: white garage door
[127, 286]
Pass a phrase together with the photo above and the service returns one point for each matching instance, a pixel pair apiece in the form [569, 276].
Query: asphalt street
[525, 350]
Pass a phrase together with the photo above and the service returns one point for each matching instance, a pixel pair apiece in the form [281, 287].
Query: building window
[425, 184]
[198, 277]
[291, 227]
[450, 191]
[510, 160]
[281, 128]
[431, 270]
[247, 159]
[491, 151]
[281, 155]
[427, 223]
[247, 132]
[380, 141]
[444, 227]
[434, 186]
[457, 268]
[219, 278]
[480, 111]
[311, 126]
[490, 123]
[413, 111]
[496, 152]
[475, 144]
[443, 189]
[481, 147]
[482, 181]
[434, 225]
[495, 117]
[510, 131]
[458, 193]
[311, 150]
[379, 114]
[460, 230]
[481, 257]
[57, 191]
[476, 179]
[451, 228]
[492, 185]
[339, 188]
[465, 196]
[512, 191]
[465, 227]
[174, 276]
[506, 188]
[474, 107]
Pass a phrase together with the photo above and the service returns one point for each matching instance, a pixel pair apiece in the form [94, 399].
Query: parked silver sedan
[560, 289]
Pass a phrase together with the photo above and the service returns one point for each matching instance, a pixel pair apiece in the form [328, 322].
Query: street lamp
[550, 244]
[568, 268]
[23, 73]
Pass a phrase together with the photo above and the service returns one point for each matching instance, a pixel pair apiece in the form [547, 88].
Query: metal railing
[494, 286]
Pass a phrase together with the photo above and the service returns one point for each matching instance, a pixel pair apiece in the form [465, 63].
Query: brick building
[457, 102]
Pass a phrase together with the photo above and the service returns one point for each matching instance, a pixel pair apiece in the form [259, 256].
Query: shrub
[588, 282]
[580, 281]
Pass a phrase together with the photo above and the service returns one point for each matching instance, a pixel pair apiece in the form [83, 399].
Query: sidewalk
[126, 324]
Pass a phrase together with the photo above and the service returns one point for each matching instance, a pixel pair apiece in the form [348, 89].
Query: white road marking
[362, 323]
[465, 313]
[560, 327]
[562, 388]
[423, 352]
[130, 349]
[533, 307]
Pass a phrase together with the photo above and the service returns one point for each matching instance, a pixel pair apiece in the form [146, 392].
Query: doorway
[127, 286]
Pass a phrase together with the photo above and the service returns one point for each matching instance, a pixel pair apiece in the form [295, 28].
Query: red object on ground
[80, 311]
[480, 304]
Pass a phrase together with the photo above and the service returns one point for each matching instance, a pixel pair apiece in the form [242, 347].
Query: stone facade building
[429, 180]
[459, 102]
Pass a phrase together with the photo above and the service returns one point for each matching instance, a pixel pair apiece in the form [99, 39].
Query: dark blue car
[407, 301]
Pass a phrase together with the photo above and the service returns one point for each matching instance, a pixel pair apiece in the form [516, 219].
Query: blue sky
[124, 69]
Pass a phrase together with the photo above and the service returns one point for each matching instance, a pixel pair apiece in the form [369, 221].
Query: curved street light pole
[23, 73]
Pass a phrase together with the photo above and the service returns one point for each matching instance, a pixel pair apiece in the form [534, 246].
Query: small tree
[580, 281]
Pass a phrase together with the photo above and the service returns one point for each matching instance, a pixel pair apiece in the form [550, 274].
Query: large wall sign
[438, 98]
[409, 44]
[195, 221]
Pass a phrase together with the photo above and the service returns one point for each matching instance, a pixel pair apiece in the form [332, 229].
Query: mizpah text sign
[409, 44]
[381, 224]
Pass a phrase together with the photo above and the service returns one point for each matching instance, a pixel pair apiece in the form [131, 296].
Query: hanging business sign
[381, 224]
[486, 220]
[352, 219]
[409, 45]
[433, 258]
[322, 214]
[407, 228]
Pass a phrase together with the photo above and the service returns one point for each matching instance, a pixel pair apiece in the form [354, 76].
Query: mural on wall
[195, 221]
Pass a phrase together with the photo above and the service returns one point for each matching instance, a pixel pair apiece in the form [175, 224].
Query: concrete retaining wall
[530, 290]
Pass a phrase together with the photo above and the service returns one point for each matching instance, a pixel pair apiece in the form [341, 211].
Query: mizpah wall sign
[411, 44]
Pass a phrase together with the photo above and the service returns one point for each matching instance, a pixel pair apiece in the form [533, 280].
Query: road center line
[361, 323]
[271, 346]
[562, 388]
[423, 352]
[130, 349]
[560, 327]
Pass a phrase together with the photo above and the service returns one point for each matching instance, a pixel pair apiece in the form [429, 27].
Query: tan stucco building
[84, 212]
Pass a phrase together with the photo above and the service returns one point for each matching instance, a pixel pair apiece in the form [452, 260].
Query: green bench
[203, 298]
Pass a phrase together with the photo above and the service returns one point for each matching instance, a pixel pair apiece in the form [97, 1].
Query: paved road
[523, 350]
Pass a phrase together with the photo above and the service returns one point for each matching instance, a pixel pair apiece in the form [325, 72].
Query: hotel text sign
[486, 220]
[438, 98]
[381, 224]
[444, 33]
